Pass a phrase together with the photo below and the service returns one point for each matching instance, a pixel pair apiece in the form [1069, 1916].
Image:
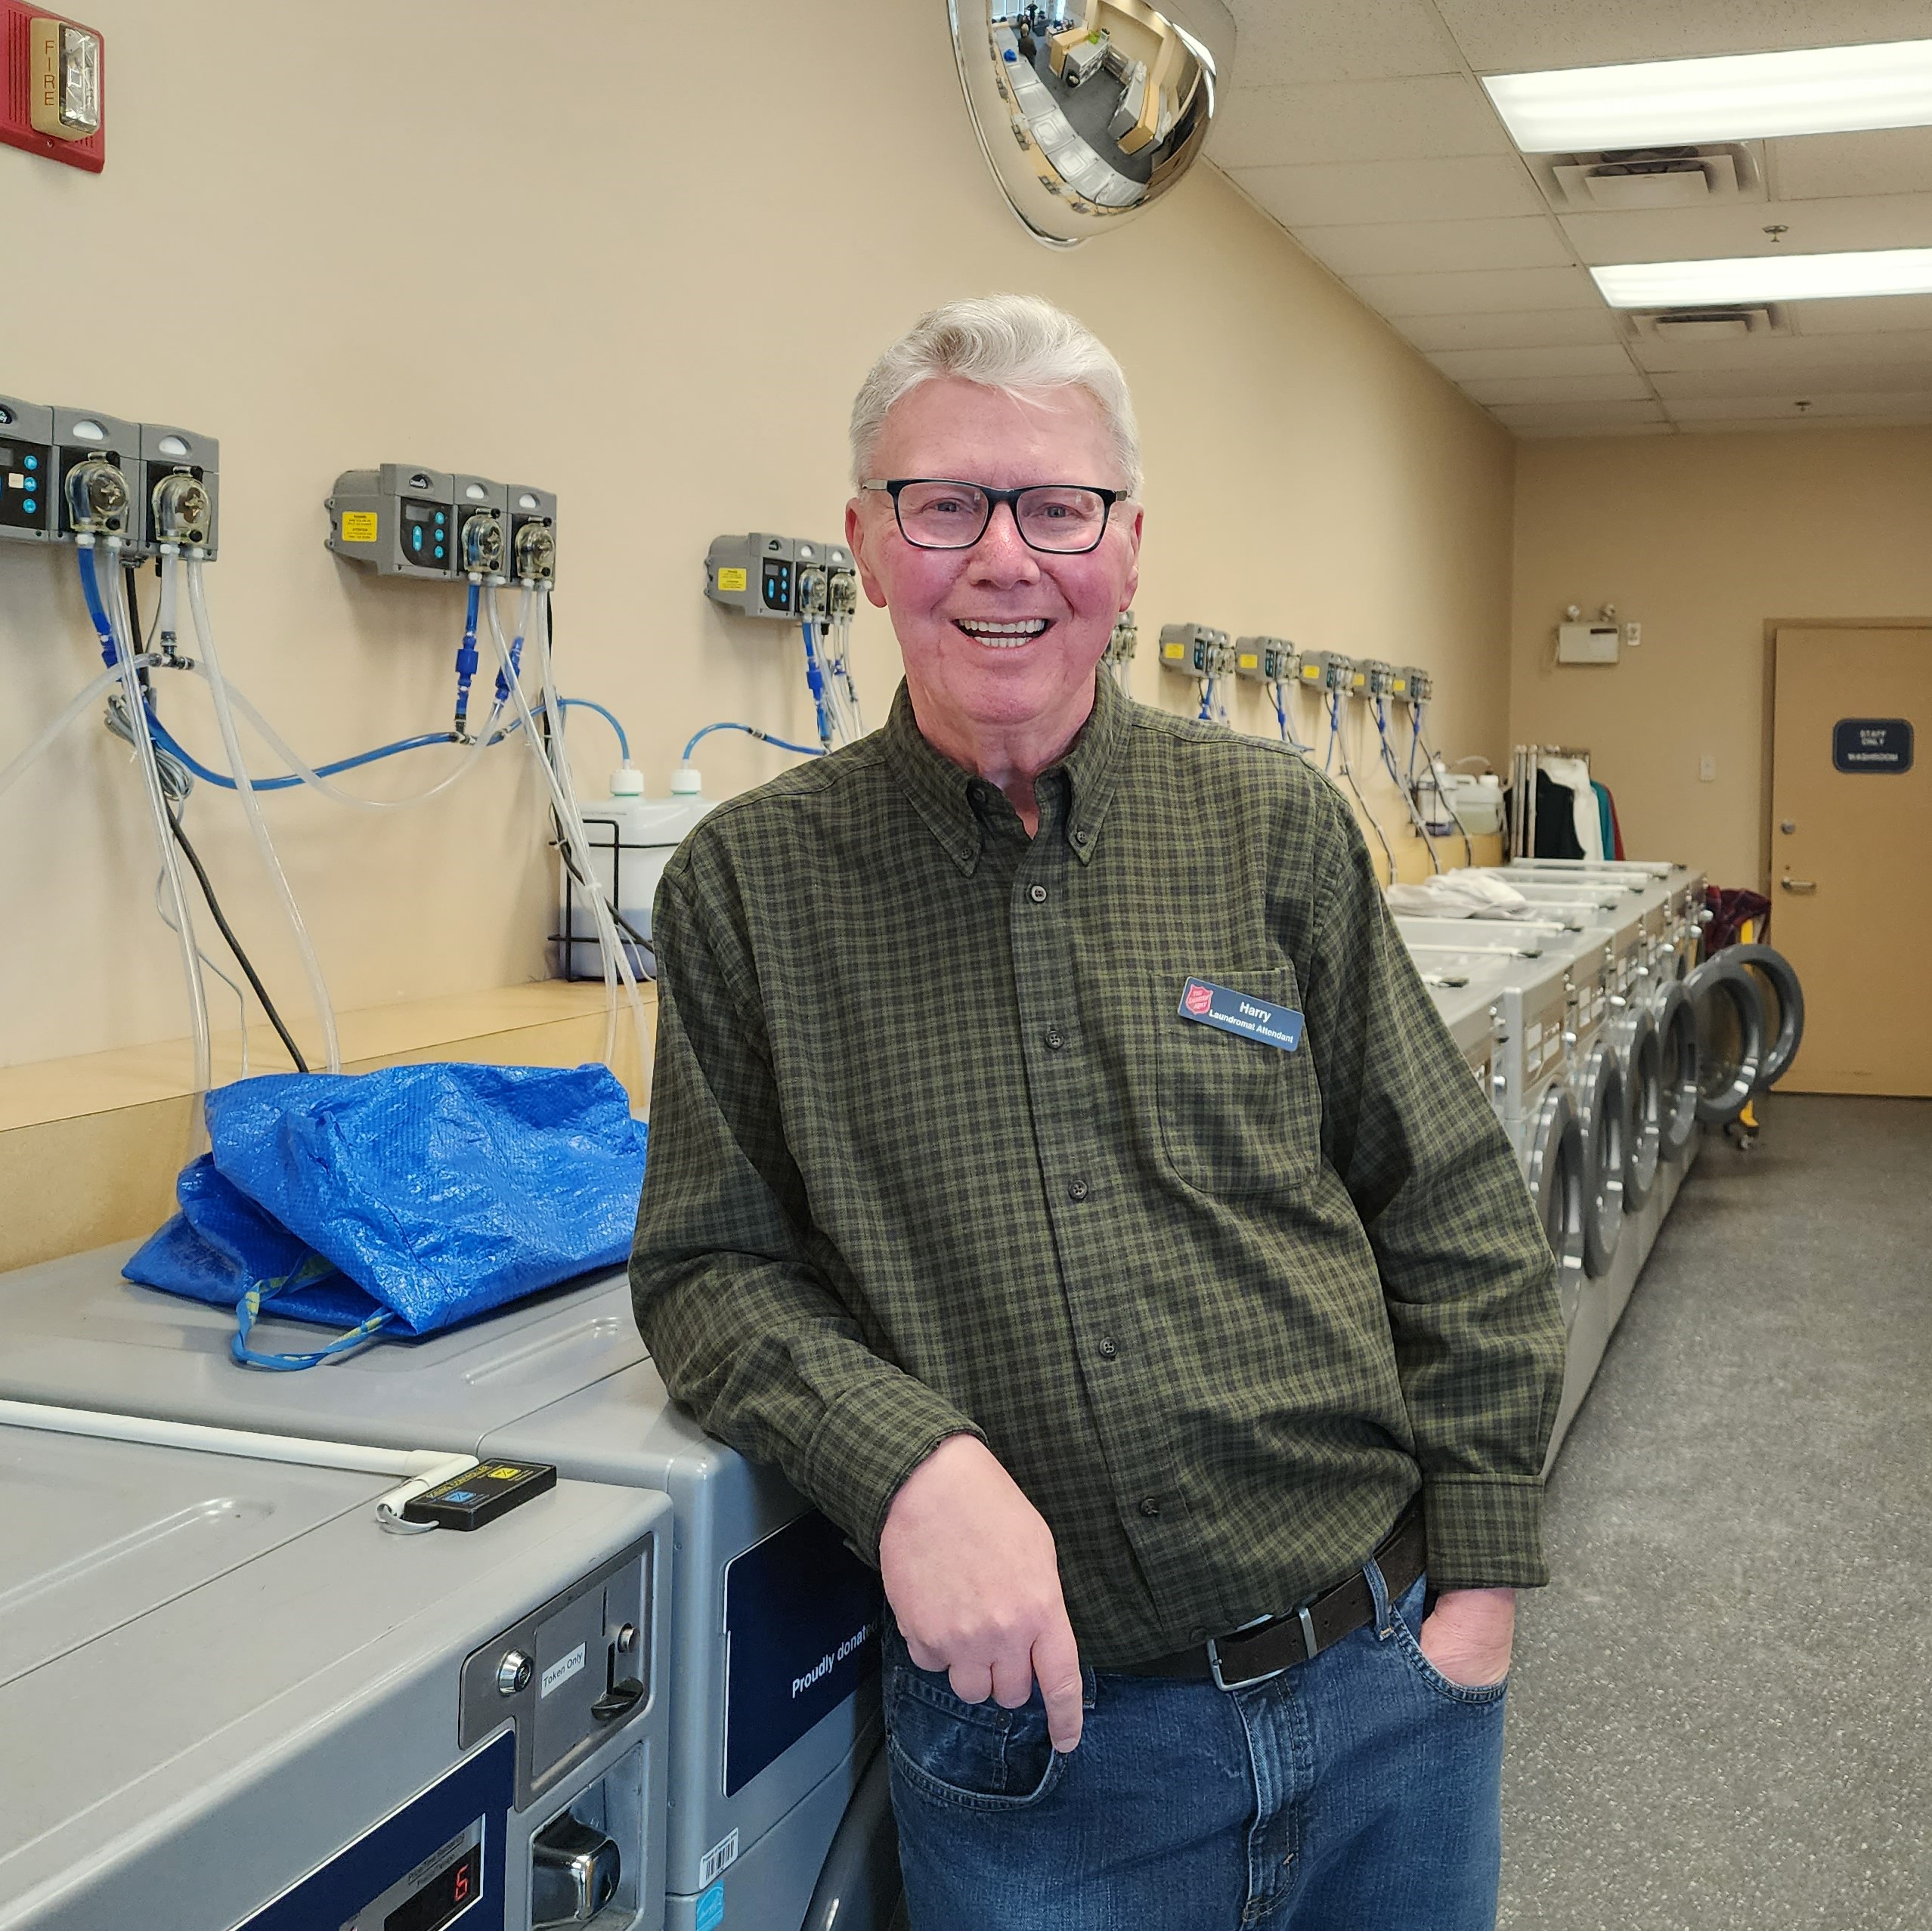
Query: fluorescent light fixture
[1735, 97]
[1765, 278]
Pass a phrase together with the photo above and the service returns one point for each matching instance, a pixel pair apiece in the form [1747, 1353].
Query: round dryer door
[1680, 1093]
[1642, 1054]
[1556, 1185]
[1600, 1119]
[859, 1887]
[1730, 1038]
[1783, 1001]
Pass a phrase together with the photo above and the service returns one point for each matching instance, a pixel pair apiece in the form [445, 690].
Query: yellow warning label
[731, 580]
[358, 526]
[503, 1472]
[1174, 653]
[1247, 660]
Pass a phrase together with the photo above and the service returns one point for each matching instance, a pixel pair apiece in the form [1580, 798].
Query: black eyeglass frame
[994, 498]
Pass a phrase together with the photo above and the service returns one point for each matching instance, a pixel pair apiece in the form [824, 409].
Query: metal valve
[182, 509]
[97, 497]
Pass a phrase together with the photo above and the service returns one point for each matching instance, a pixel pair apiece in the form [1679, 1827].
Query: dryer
[231, 1697]
[763, 1771]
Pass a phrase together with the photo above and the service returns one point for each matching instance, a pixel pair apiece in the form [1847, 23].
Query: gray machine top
[762, 1589]
[184, 1636]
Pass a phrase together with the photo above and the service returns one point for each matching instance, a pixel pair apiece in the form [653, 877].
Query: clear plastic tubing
[224, 716]
[157, 808]
[617, 964]
[99, 688]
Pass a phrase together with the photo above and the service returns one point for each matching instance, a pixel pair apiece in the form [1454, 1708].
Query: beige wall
[648, 269]
[1703, 539]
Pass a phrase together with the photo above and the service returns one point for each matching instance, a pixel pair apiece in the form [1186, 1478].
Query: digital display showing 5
[426, 532]
[22, 503]
[452, 1890]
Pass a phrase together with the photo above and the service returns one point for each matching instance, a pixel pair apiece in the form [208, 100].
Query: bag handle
[248, 1310]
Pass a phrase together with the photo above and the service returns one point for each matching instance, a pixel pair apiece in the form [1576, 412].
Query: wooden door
[1851, 854]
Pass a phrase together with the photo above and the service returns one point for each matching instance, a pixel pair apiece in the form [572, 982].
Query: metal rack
[1525, 761]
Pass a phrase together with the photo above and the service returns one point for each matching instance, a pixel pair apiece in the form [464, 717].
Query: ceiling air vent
[1732, 324]
[1635, 179]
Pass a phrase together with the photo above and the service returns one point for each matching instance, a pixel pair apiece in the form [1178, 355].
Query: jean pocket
[1406, 1621]
[978, 1755]
[1238, 1115]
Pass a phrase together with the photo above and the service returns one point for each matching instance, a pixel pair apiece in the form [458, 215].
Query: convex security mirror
[1089, 110]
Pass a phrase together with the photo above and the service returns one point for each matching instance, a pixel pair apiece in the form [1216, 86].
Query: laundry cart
[230, 1697]
[773, 1685]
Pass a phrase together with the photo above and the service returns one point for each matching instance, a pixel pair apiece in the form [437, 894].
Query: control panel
[761, 574]
[1196, 650]
[1264, 660]
[26, 462]
[401, 520]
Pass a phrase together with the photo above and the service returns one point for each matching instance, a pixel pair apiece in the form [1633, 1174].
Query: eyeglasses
[1063, 519]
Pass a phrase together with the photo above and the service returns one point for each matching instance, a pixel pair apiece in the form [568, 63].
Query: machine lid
[1730, 1036]
[80, 1336]
[1782, 999]
[101, 1533]
[1534, 978]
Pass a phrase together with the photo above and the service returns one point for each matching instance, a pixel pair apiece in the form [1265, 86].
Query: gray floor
[1722, 1713]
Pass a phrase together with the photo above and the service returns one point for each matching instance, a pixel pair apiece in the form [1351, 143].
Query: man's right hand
[973, 1578]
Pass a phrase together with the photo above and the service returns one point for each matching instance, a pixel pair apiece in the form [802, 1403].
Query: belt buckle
[1308, 1644]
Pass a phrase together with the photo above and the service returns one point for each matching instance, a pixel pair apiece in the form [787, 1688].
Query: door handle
[1797, 885]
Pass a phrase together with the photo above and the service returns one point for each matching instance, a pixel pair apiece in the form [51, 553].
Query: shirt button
[1055, 1039]
[1076, 1190]
[1148, 1506]
[1037, 893]
[1109, 1348]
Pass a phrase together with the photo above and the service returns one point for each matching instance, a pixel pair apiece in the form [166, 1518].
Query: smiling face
[1001, 642]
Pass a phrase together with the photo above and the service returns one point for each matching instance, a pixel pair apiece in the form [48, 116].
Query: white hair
[1021, 344]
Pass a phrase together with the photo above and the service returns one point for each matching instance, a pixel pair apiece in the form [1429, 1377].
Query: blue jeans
[1360, 1791]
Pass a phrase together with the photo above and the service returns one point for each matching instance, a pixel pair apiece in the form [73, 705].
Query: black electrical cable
[188, 852]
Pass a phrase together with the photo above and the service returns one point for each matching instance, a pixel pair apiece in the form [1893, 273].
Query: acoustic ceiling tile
[1472, 187]
[1381, 248]
[1494, 291]
[1536, 328]
[1906, 406]
[1859, 314]
[1427, 117]
[1812, 385]
[1500, 391]
[1507, 36]
[1661, 352]
[1276, 45]
[1825, 166]
[1475, 365]
[1730, 230]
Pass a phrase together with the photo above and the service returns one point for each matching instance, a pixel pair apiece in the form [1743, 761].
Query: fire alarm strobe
[52, 102]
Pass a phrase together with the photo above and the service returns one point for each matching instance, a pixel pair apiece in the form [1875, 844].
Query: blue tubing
[96, 608]
[467, 659]
[608, 716]
[752, 730]
[165, 739]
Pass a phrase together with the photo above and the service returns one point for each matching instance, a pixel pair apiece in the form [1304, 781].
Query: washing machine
[773, 1621]
[1680, 888]
[1470, 1003]
[231, 1698]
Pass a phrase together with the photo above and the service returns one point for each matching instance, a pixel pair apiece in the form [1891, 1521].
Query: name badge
[1208, 1004]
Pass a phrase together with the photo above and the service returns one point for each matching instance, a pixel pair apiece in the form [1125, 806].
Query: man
[1059, 1170]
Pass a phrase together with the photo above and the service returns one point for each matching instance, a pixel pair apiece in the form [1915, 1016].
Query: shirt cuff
[1484, 1532]
[869, 1440]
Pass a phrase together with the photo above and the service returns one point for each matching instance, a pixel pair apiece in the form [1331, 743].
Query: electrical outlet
[1706, 769]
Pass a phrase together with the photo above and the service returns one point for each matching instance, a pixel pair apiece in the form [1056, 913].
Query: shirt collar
[943, 793]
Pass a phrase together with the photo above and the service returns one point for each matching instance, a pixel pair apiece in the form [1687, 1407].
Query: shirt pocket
[1237, 1116]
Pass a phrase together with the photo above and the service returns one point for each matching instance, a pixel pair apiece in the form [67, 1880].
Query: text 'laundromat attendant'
[1189, 1373]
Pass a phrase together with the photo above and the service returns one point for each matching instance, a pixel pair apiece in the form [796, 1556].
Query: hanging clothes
[1573, 774]
[1555, 819]
[1605, 818]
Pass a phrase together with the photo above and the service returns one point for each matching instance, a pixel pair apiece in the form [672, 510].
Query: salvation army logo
[1199, 999]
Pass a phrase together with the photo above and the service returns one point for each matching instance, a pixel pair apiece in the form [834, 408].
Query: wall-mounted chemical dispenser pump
[786, 577]
[533, 534]
[181, 497]
[482, 542]
[399, 520]
[1335, 673]
[97, 461]
[1264, 660]
[1377, 679]
[1421, 684]
[27, 495]
[1125, 641]
[1196, 650]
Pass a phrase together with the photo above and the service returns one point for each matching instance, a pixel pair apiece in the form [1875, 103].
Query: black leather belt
[1265, 1649]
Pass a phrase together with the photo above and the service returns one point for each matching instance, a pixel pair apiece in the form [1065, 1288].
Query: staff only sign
[1863, 744]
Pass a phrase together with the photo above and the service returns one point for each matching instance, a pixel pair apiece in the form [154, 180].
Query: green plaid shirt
[932, 1150]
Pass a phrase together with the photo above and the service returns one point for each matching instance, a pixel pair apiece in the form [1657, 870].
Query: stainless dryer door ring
[1783, 999]
[1600, 1116]
[1556, 1185]
[1680, 1094]
[1643, 1053]
[1730, 1032]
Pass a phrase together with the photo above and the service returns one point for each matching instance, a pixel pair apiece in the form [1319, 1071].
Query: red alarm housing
[53, 101]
